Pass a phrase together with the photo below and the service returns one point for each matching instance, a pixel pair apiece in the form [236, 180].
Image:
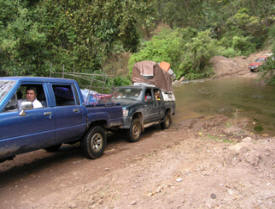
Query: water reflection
[247, 97]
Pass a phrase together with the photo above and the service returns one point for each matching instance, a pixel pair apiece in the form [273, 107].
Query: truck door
[23, 131]
[70, 121]
[158, 105]
[149, 111]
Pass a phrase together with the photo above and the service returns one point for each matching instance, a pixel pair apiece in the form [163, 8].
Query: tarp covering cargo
[150, 72]
[94, 98]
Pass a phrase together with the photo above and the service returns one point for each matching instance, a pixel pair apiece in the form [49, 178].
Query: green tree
[22, 44]
[166, 46]
[36, 36]
[187, 50]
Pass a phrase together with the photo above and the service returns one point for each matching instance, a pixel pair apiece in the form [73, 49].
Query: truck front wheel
[166, 121]
[135, 130]
[94, 142]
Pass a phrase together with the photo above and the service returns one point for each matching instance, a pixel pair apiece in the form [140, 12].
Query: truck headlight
[125, 112]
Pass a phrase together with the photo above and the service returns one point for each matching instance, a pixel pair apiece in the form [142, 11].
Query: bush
[121, 81]
[243, 44]
[269, 66]
[271, 35]
[166, 46]
[227, 52]
[187, 50]
[196, 55]
[234, 44]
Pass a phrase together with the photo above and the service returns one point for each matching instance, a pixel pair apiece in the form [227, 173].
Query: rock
[133, 203]
[247, 139]
[236, 147]
[72, 205]
[159, 189]
[179, 180]
[213, 196]
[230, 191]
[235, 131]
[253, 158]
[182, 79]
[150, 194]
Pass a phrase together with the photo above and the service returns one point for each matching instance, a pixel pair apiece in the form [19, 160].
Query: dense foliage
[269, 66]
[39, 37]
[185, 48]
[211, 27]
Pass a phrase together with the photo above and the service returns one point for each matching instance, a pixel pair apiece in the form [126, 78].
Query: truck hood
[126, 102]
[255, 64]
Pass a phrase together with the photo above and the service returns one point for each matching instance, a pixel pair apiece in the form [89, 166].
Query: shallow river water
[231, 97]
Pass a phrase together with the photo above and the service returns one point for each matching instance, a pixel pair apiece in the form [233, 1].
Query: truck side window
[38, 98]
[157, 95]
[148, 95]
[63, 95]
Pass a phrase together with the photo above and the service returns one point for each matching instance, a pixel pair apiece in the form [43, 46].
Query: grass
[219, 139]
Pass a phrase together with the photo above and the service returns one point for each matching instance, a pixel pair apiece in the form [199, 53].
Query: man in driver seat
[31, 97]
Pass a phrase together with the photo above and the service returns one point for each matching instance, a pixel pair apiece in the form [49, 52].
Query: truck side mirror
[26, 105]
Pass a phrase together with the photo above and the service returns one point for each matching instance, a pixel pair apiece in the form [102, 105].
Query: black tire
[135, 130]
[94, 142]
[165, 124]
[53, 148]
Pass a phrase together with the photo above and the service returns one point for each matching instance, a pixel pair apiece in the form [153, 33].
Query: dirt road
[235, 67]
[198, 163]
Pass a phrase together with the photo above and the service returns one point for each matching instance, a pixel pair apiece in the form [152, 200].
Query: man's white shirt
[35, 103]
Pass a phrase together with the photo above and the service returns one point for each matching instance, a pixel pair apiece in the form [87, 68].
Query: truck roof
[36, 79]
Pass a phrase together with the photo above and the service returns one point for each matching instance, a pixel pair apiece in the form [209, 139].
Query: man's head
[31, 94]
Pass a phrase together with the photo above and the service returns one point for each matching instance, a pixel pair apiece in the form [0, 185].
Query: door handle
[76, 110]
[48, 114]
[22, 113]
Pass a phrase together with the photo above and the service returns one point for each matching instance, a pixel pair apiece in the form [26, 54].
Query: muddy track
[235, 67]
[34, 175]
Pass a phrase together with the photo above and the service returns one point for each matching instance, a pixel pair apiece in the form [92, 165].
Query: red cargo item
[103, 98]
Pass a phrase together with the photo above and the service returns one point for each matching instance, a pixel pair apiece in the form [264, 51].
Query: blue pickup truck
[63, 117]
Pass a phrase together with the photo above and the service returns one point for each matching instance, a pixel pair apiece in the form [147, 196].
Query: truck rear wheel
[167, 121]
[135, 130]
[94, 142]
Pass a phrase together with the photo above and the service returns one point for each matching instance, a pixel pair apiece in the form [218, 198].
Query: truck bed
[111, 112]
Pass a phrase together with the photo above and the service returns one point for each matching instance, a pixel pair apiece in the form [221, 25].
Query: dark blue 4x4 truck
[144, 106]
[64, 118]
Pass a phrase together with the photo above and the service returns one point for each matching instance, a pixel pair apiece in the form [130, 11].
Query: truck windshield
[5, 87]
[129, 93]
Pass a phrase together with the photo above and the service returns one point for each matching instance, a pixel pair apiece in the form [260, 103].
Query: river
[231, 97]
